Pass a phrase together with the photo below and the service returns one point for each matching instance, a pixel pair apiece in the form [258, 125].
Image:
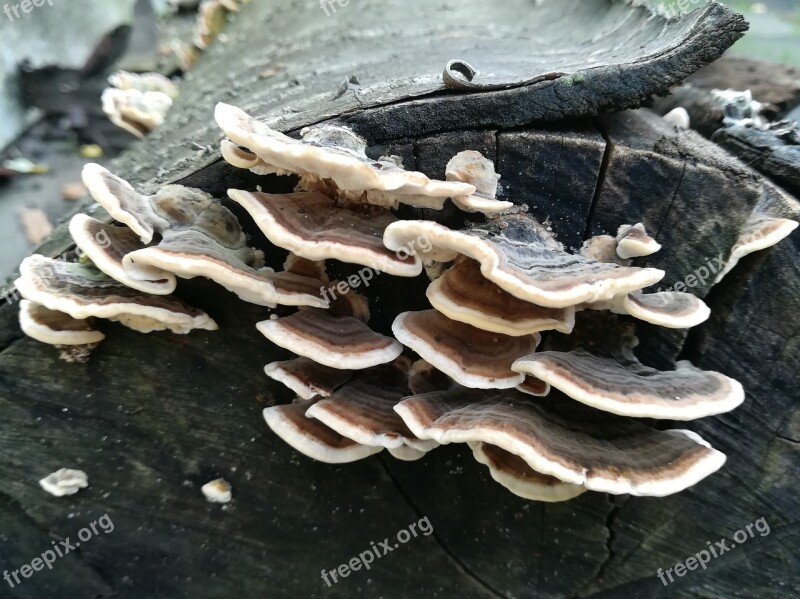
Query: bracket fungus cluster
[489, 368]
[138, 103]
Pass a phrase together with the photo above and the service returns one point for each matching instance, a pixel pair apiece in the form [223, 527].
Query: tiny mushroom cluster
[479, 373]
[138, 103]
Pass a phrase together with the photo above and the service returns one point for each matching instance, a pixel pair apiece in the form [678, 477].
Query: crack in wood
[601, 178]
[460, 565]
[617, 504]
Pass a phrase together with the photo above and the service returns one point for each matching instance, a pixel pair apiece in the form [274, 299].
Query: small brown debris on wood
[72, 192]
[36, 224]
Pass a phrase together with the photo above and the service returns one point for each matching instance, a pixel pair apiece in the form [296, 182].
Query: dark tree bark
[153, 417]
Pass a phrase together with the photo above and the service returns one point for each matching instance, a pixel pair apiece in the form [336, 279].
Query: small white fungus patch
[64, 482]
[217, 491]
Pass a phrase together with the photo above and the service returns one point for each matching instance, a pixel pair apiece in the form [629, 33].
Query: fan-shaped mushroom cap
[599, 451]
[135, 111]
[236, 156]
[471, 167]
[311, 225]
[462, 293]
[759, 234]
[106, 246]
[193, 253]
[173, 207]
[364, 411]
[342, 342]
[679, 117]
[211, 18]
[470, 356]
[64, 481]
[55, 328]
[633, 242]
[773, 219]
[330, 152]
[199, 237]
[522, 258]
[634, 389]
[671, 309]
[144, 82]
[514, 474]
[406, 453]
[313, 438]
[120, 200]
[83, 291]
[307, 378]
[533, 386]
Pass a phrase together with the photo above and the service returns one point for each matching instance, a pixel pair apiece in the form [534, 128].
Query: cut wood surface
[151, 418]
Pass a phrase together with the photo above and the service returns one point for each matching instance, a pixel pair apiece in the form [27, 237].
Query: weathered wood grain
[775, 152]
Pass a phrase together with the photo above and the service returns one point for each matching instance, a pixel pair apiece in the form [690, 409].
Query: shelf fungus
[218, 490]
[496, 288]
[364, 412]
[473, 168]
[337, 154]
[600, 452]
[462, 293]
[470, 356]
[172, 208]
[342, 342]
[521, 257]
[669, 309]
[632, 389]
[313, 226]
[773, 220]
[307, 378]
[634, 242]
[56, 328]
[106, 246]
[135, 111]
[241, 158]
[517, 476]
[64, 482]
[312, 437]
[82, 291]
[355, 421]
[144, 82]
[533, 386]
[196, 237]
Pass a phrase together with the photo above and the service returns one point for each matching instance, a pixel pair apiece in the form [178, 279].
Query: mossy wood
[151, 418]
